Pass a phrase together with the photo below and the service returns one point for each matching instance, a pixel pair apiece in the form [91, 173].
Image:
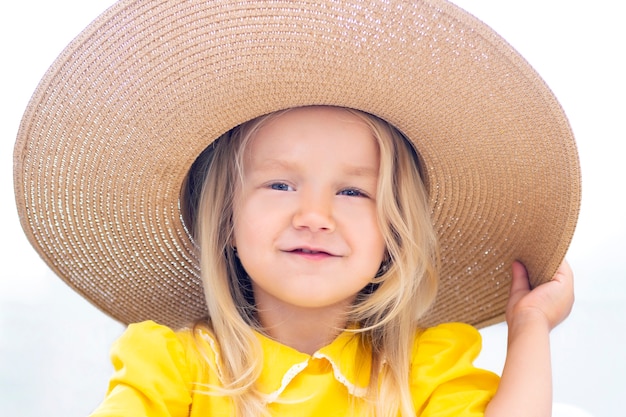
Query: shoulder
[443, 377]
[159, 338]
[448, 336]
[150, 332]
[454, 338]
[156, 369]
[447, 347]
[152, 343]
[145, 332]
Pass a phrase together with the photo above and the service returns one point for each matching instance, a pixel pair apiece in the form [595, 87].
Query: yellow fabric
[158, 372]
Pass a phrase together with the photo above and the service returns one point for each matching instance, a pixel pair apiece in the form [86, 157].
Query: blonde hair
[386, 312]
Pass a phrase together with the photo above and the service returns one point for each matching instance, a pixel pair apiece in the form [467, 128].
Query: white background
[54, 345]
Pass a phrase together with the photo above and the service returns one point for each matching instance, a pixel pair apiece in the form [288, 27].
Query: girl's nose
[314, 213]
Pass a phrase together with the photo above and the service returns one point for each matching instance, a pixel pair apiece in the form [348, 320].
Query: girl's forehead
[316, 123]
[300, 116]
[301, 123]
[326, 134]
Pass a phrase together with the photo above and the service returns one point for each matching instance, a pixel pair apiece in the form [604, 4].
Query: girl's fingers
[553, 299]
[564, 274]
[519, 284]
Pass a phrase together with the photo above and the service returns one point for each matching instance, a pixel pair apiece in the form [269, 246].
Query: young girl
[321, 232]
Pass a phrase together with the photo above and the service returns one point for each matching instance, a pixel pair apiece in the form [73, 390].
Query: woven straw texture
[115, 124]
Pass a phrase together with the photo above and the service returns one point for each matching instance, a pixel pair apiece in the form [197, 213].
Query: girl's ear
[233, 245]
[384, 266]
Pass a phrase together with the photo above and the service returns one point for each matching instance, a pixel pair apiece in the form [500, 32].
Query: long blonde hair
[386, 312]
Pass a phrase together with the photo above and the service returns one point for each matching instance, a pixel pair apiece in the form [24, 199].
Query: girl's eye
[352, 192]
[280, 186]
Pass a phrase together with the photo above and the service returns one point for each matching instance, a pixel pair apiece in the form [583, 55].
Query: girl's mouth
[311, 253]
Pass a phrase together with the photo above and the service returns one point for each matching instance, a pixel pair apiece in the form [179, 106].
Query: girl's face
[305, 224]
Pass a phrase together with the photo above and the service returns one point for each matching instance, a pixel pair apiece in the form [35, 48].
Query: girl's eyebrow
[361, 171]
[272, 163]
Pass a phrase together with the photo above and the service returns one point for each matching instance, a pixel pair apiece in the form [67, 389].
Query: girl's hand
[526, 385]
[551, 301]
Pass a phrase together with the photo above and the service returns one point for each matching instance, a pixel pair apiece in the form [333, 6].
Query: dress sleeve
[151, 377]
[444, 381]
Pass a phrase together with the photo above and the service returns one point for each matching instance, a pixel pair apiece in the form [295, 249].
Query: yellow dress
[158, 372]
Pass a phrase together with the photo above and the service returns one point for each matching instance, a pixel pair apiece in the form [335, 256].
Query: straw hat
[115, 124]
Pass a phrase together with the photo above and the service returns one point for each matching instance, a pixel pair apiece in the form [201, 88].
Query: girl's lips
[311, 253]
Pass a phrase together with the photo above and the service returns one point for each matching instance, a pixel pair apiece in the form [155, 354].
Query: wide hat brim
[112, 129]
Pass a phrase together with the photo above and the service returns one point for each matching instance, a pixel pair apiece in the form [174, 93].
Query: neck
[304, 329]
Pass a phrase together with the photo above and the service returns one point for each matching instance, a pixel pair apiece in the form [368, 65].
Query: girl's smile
[305, 222]
[311, 253]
